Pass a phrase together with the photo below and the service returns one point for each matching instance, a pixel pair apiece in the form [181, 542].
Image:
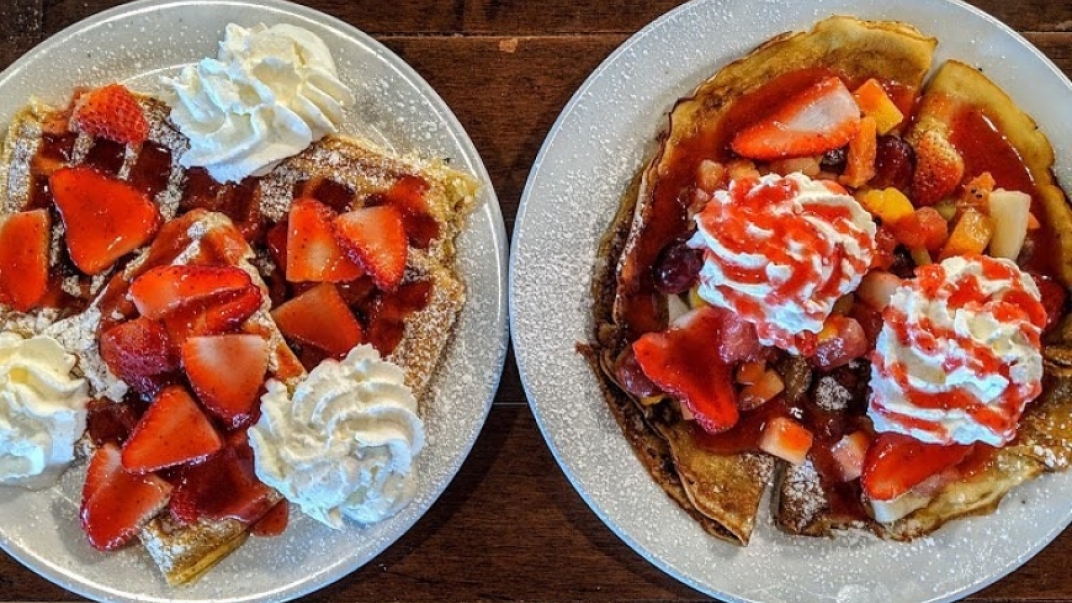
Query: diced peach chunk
[889, 204]
[876, 104]
[863, 149]
[849, 453]
[786, 439]
[971, 235]
[764, 389]
[750, 372]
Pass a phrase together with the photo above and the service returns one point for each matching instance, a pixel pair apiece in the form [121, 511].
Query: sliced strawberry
[141, 353]
[896, 463]
[226, 373]
[786, 439]
[1054, 296]
[683, 362]
[375, 238]
[274, 521]
[313, 254]
[390, 311]
[24, 240]
[164, 288]
[213, 315]
[115, 503]
[939, 169]
[113, 113]
[841, 341]
[409, 195]
[319, 317]
[108, 421]
[104, 218]
[223, 487]
[820, 119]
[172, 432]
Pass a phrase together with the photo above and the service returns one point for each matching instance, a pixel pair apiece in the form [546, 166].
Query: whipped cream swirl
[270, 93]
[42, 410]
[780, 251]
[959, 354]
[345, 444]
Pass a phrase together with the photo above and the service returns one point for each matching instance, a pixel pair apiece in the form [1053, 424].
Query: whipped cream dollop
[345, 444]
[42, 410]
[779, 251]
[269, 94]
[959, 354]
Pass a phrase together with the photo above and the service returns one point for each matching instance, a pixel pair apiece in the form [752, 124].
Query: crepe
[723, 489]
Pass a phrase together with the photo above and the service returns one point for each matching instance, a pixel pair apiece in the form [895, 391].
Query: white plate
[136, 43]
[595, 147]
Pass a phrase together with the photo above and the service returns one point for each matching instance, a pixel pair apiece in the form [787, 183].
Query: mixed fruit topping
[829, 239]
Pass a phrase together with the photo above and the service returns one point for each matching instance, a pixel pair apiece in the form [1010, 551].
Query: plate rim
[487, 201]
[519, 233]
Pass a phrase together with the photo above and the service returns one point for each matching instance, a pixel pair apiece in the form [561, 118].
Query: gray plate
[598, 143]
[137, 43]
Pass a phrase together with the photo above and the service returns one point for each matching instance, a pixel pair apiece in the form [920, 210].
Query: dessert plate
[597, 145]
[139, 42]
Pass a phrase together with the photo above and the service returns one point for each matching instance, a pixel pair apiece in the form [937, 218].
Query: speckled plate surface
[599, 142]
[137, 43]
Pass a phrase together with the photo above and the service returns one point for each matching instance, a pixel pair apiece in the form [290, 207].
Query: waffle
[220, 218]
[725, 489]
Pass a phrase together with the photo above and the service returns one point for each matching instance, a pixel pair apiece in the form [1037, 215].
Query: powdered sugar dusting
[169, 34]
[600, 141]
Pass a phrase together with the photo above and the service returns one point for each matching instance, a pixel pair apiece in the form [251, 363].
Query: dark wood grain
[510, 526]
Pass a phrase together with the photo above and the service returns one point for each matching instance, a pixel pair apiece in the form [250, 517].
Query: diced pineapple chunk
[875, 103]
[763, 390]
[1010, 211]
[786, 439]
[971, 235]
[888, 204]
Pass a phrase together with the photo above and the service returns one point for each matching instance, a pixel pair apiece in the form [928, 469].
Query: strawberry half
[939, 169]
[226, 373]
[104, 218]
[172, 432]
[113, 113]
[164, 288]
[684, 362]
[375, 238]
[896, 463]
[24, 240]
[820, 119]
[313, 254]
[141, 353]
[409, 195]
[115, 503]
[216, 314]
[319, 317]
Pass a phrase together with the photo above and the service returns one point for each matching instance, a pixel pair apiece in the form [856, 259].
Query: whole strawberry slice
[141, 353]
[223, 312]
[226, 373]
[116, 503]
[113, 113]
[896, 463]
[822, 118]
[375, 237]
[172, 432]
[24, 239]
[164, 288]
[104, 218]
[319, 317]
[939, 169]
[313, 254]
[685, 361]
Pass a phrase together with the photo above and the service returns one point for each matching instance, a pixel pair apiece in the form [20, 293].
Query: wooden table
[510, 526]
